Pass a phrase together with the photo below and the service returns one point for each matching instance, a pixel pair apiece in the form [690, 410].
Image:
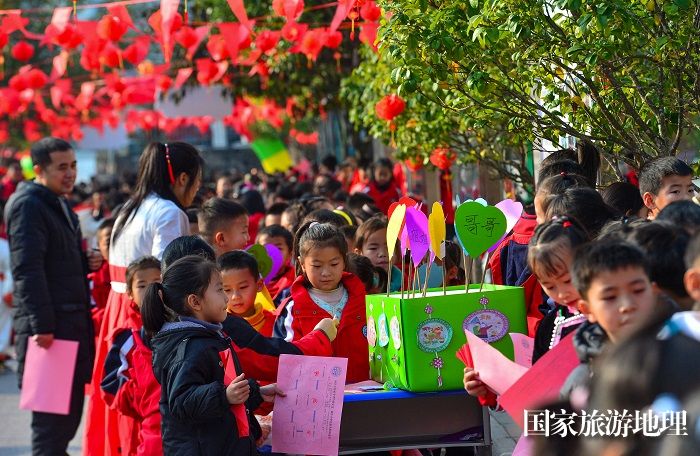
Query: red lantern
[442, 158]
[4, 37]
[18, 82]
[414, 163]
[137, 51]
[389, 107]
[312, 43]
[266, 40]
[110, 57]
[293, 31]
[163, 83]
[370, 12]
[22, 51]
[70, 38]
[111, 28]
[36, 79]
[333, 40]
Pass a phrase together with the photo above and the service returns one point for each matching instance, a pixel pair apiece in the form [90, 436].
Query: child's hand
[329, 327]
[268, 392]
[472, 384]
[238, 391]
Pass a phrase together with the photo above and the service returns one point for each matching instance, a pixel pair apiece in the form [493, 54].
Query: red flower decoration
[442, 158]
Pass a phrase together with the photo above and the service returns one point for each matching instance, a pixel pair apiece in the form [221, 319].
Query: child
[273, 216]
[283, 240]
[685, 214]
[324, 289]
[625, 199]
[550, 255]
[224, 225]
[100, 283]
[242, 281]
[128, 384]
[612, 278]
[691, 278]
[186, 245]
[664, 180]
[382, 187]
[583, 204]
[372, 276]
[370, 241]
[205, 397]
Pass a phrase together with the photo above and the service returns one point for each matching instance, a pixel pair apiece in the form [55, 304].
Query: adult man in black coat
[49, 268]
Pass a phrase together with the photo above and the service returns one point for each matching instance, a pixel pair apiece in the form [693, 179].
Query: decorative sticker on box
[371, 332]
[383, 330]
[490, 325]
[395, 330]
[434, 335]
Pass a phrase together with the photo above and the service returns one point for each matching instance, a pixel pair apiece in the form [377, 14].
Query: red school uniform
[283, 280]
[299, 315]
[99, 290]
[383, 197]
[130, 387]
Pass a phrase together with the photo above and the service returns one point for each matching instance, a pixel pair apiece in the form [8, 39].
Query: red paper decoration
[291, 9]
[267, 40]
[111, 28]
[370, 12]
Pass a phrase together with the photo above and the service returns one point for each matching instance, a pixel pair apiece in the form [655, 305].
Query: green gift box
[413, 340]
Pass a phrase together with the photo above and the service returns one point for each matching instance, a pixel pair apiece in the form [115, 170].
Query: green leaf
[474, 3]
[682, 4]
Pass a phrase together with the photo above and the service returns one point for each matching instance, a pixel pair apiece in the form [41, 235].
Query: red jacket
[299, 315]
[99, 290]
[130, 387]
[383, 198]
[508, 266]
[282, 281]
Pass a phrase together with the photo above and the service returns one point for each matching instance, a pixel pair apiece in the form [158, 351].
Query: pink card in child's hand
[495, 370]
[522, 349]
[542, 383]
[48, 377]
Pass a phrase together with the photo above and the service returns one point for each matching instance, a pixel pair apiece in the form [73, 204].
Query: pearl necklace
[560, 323]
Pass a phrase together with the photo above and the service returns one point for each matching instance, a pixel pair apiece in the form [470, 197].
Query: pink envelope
[498, 372]
[541, 384]
[307, 419]
[48, 377]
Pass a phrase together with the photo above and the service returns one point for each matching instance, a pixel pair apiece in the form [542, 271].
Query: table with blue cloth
[375, 419]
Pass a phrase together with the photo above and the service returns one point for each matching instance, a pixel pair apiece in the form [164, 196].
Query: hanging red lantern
[137, 51]
[443, 158]
[18, 82]
[111, 28]
[69, 38]
[110, 57]
[370, 12]
[22, 51]
[388, 108]
[163, 83]
[291, 9]
[414, 163]
[293, 31]
[312, 43]
[267, 40]
[334, 39]
[36, 79]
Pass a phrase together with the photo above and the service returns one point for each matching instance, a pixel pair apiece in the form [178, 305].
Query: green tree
[623, 74]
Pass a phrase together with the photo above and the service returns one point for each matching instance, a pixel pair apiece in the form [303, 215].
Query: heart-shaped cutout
[262, 257]
[479, 227]
[276, 259]
[394, 227]
[417, 228]
[513, 210]
[438, 233]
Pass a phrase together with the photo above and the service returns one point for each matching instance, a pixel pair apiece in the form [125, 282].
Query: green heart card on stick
[479, 227]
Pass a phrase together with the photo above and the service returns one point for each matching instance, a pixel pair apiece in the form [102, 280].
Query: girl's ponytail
[154, 312]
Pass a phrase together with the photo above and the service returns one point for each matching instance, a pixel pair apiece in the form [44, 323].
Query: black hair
[692, 253]
[154, 176]
[369, 227]
[653, 172]
[326, 185]
[621, 228]
[277, 209]
[557, 167]
[141, 264]
[607, 255]
[583, 204]
[106, 223]
[453, 258]
[164, 302]
[42, 149]
[330, 162]
[544, 253]
[326, 216]
[372, 277]
[252, 201]
[277, 231]
[665, 246]
[313, 202]
[685, 214]
[623, 197]
[558, 183]
[239, 259]
[349, 231]
[215, 214]
[318, 235]
[192, 214]
[295, 213]
[186, 246]
[362, 206]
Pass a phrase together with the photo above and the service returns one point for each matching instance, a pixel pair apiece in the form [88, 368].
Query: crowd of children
[189, 331]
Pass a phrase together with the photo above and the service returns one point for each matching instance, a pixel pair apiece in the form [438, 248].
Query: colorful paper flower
[437, 362]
